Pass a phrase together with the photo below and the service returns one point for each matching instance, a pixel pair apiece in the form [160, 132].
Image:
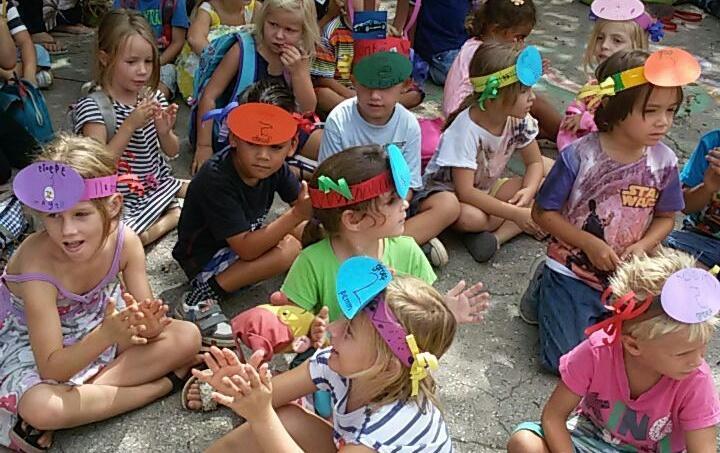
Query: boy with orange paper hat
[223, 242]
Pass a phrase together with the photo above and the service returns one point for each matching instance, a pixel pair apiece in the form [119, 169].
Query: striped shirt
[15, 23]
[334, 54]
[142, 155]
[399, 427]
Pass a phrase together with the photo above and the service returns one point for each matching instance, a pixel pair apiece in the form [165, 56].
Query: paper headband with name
[688, 296]
[670, 67]
[526, 70]
[256, 122]
[335, 194]
[620, 10]
[360, 285]
[54, 187]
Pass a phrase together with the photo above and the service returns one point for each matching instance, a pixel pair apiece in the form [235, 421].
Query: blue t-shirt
[441, 27]
[707, 221]
[152, 10]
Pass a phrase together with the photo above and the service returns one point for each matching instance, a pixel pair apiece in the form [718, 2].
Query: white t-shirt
[15, 24]
[345, 128]
[396, 427]
[467, 145]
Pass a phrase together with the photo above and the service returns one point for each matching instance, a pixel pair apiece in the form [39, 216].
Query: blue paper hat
[359, 280]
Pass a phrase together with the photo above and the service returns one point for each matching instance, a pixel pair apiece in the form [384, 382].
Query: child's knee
[40, 409]
[525, 442]
[186, 338]
[446, 204]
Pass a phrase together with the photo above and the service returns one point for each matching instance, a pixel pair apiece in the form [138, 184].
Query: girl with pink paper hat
[619, 25]
[75, 345]
[640, 381]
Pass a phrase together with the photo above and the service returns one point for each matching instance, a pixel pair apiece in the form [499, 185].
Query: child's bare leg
[526, 442]
[548, 117]
[182, 191]
[311, 432]
[474, 220]
[164, 225]
[327, 99]
[411, 99]
[437, 212]
[312, 145]
[547, 165]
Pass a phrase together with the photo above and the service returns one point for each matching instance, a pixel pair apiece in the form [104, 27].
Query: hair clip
[489, 92]
[518, 2]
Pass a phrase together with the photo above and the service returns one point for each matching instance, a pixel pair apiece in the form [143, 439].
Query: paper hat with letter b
[361, 283]
[382, 70]
[261, 124]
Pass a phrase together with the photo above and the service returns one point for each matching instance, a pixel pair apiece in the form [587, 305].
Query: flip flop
[208, 404]
[26, 437]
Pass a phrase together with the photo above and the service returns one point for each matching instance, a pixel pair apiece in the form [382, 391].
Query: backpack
[12, 224]
[26, 105]
[210, 58]
[167, 9]
[105, 105]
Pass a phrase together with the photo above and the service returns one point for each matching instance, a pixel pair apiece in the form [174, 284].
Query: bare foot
[75, 29]
[45, 441]
[48, 42]
[192, 397]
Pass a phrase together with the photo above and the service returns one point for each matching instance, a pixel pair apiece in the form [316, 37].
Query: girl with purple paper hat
[75, 346]
[640, 381]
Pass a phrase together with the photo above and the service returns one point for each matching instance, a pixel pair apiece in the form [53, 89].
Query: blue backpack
[26, 105]
[210, 58]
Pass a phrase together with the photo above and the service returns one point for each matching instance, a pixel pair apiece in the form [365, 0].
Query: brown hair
[489, 58]
[638, 39]
[500, 14]
[420, 309]
[614, 109]
[355, 165]
[116, 27]
[88, 157]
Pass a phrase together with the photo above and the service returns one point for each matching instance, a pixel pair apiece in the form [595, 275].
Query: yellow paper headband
[614, 84]
[527, 70]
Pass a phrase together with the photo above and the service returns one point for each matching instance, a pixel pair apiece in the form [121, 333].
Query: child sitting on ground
[169, 25]
[75, 349]
[479, 139]
[640, 381]
[376, 116]
[377, 370]
[625, 27]
[223, 242]
[29, 66]
[700, 177]
[136, 122]
[609, 196]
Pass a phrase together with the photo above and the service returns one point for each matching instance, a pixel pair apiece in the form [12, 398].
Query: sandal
[208, 403]
[25, 437]
[213, 324]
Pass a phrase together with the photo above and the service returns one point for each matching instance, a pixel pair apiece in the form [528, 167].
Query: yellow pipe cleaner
[422, 361]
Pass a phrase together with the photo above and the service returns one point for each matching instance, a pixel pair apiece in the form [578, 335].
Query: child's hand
[393, 31]
[524, 220]
[712, 174]
[523, 197]
[546, 65]
[294, 60]
[221, 364]
[601, 255]
[636, 249]
[467, 304]
[144, 110]
[165, 119]
[202, 154]
[318, 326]
[119, 326]
[251, 393]
[154, 317]
[571, 123]
[303, 206]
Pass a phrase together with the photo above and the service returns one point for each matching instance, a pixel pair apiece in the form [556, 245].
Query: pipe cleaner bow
[422, 362]
[602, 89]
[624, 308]
[326, 184]
[489, 92]
[307, 121]
[220, 114]
[656, 31]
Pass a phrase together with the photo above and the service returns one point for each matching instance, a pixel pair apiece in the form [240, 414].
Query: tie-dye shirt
[615, 202]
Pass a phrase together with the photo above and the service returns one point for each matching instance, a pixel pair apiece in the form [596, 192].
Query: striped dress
[144, 159]
[399, 427]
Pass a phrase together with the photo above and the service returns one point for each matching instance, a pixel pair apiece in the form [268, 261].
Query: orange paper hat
[262, 124]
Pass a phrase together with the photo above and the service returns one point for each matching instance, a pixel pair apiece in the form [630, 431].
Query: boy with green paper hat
[376, 116]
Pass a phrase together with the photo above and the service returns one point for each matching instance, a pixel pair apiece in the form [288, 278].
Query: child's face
[672, 355]
[78, 232]
[515, 34]
[349, 340]
[612, 37]
[134, 65]
[255, 162]
[282, 28]
[659, 114]
[522, 105]
[389, 218]
[377, 105]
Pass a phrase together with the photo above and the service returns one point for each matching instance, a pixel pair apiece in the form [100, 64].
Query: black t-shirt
[219, 205]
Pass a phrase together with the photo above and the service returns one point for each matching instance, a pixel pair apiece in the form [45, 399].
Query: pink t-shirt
[654, 422]
[457, 82]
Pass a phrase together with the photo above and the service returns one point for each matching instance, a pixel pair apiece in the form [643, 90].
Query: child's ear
[631, 345]
[232, 140]
[351, 220]
[293, 145]
[115, 203]
[103, 58]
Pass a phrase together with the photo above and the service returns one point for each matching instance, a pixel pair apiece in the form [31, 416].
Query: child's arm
[701, 440]
[164, 123]
[173, 50]
[402, 9]
[334, 85]
[133, 267]
[299, 67]
[7, 46]
[696, 198]
[27, 55]
[554, 418]
[198, 32]
[534, 171]
[332, 12]
[661, 226]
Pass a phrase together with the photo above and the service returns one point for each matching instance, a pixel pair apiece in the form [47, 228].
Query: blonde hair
[420, 309]
[638, 40]
[116, 27]
[88, 157]
[306, 8]
[645, 275]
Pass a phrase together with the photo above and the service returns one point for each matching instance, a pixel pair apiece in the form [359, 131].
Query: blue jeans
[566, 307]
[704, 248]
[440, 65]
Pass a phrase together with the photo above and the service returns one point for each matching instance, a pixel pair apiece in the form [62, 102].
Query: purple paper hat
[54, 187]
[691, 296]
[627, 10]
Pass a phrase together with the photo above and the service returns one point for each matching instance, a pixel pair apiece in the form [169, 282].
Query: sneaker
[435, 252]
[482, 246]
[528, 301]
[44, 79]
[214, 326]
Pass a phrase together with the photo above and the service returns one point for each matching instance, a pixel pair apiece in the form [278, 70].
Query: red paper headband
[335, 194]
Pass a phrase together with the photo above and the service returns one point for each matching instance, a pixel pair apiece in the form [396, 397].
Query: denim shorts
[440, 65]
[585, 436]
[566, 307]
[168, 77]
[704, 248]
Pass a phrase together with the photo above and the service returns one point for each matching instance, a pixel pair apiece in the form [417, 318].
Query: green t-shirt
[310, 283]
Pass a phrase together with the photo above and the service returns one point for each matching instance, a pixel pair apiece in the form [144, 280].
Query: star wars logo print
[636, 196]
